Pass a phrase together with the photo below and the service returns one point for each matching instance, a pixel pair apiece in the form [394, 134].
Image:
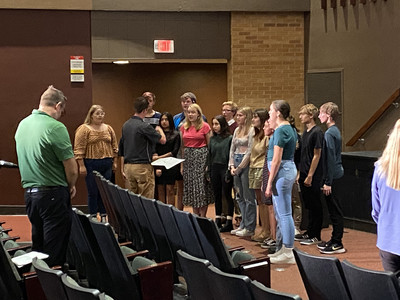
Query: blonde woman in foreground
[385, 191]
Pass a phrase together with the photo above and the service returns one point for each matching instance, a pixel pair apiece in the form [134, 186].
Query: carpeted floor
[360, 246]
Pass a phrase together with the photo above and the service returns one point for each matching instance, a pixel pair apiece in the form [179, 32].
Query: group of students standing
[252, 151]
[261, 161]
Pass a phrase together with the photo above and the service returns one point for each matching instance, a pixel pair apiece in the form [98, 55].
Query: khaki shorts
[255, 178]
[140, 179]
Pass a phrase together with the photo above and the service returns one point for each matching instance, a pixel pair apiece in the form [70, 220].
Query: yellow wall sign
[77, 64]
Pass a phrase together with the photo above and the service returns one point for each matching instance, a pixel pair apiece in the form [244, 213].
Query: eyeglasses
[227, 110]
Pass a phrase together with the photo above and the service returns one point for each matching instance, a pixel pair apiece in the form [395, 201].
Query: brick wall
[267, 61]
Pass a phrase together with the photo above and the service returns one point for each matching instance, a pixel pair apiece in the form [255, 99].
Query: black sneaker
[323, 245]
[311, 241]
[268, 244]
[301, 236]
[334, 248]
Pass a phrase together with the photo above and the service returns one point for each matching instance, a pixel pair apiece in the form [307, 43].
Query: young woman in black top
[218, 157]
[165, 179]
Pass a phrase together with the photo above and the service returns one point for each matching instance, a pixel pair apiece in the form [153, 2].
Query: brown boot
[265, 230]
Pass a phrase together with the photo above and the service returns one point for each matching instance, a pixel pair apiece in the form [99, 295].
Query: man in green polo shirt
[48, 174]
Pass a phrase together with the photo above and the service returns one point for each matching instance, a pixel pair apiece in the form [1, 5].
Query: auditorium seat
[239, 262]
[323, 277]
[50, 280]
[195, 273]
[191, 241]
[132, 219]
[126, 232]
[161, 238]
[10, 280]
[84, 241]
[76, 292]
[261, 292]
[11, 246]
[108, 205]
[6, 230]
[152, 282]
[5, 237]
[370, 284]
[149, 241]
[228, 286]
[172, 231]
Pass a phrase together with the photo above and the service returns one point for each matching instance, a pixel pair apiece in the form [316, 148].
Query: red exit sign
[163, 46]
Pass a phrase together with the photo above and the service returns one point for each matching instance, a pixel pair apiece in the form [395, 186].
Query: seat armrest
[157, 281]
[131, 256]
[257, 269]
[127, 244]
[10, 238]
[233, 249]
[13, 250]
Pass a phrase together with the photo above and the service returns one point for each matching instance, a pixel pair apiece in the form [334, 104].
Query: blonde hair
[246, 110]
[88, 119]
[309, 109]
[232, 104]
[389, 163]
[331, 109]
[198, 124]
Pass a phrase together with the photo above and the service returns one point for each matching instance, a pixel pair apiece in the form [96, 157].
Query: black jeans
[312, 201]
[50, 214]
[335, 214]
[219, 185]
[390, 261]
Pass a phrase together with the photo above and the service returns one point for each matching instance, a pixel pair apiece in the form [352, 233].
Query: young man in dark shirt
[136, 149]
[310, 178]
[333, 170]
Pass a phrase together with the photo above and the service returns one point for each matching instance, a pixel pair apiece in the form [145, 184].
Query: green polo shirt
[42, 145]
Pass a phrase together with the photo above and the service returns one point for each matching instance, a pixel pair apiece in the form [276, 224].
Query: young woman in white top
[239, 165]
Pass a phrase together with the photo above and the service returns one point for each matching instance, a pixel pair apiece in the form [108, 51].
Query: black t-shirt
[138, 141]
[311, 140]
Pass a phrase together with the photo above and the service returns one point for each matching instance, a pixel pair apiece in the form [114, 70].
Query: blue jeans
[104, 167]
[246, 197]
[282, 200]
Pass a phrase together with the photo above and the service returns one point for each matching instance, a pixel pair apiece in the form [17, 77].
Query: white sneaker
[236, 230]
[296, 231]
[244, 232]
[277, 253]
[286, 257]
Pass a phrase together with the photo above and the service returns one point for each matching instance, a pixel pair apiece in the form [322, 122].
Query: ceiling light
[121, 62]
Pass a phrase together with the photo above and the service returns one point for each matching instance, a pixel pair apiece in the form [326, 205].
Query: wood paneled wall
[115, 87]
[35, 49]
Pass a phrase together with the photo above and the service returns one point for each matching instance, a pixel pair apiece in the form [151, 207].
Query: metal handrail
[389, 102]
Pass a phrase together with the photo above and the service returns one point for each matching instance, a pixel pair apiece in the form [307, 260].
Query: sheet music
[26, 258]
[167, 162]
